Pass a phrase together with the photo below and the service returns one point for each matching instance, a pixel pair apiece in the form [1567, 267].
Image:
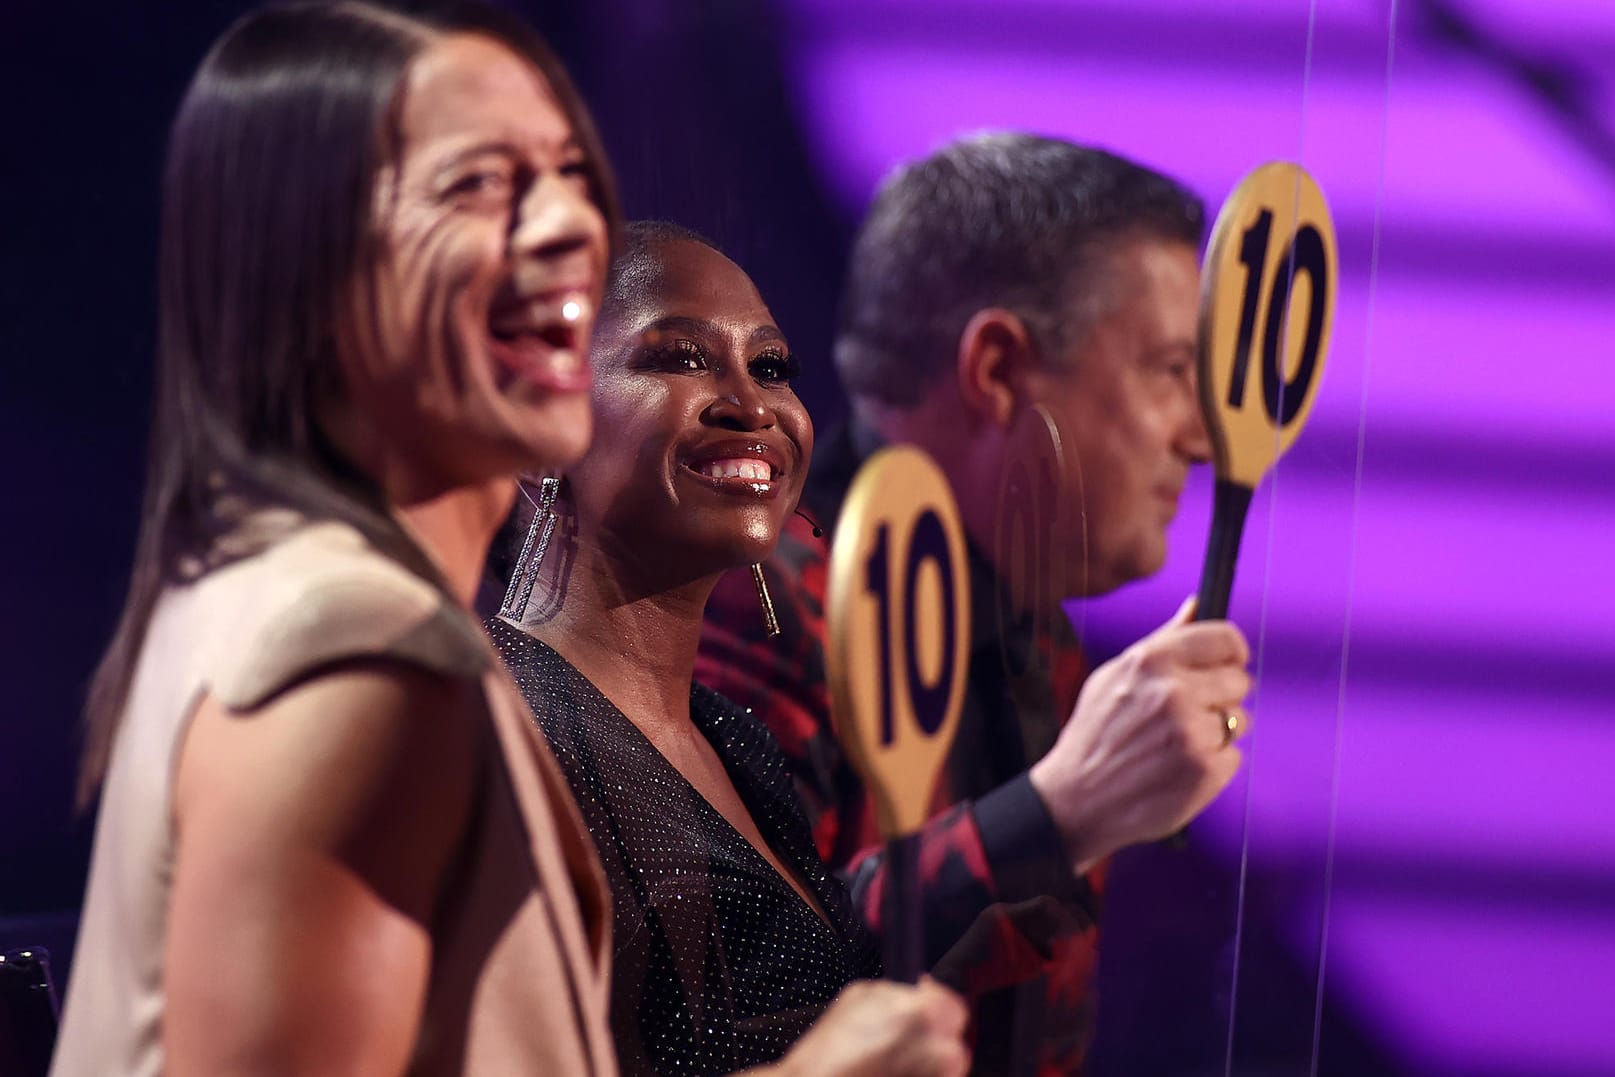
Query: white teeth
[540, 315]
[750, 470]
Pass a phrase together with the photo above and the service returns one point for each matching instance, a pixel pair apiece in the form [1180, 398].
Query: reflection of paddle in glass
[899, 635]
[1036, 524]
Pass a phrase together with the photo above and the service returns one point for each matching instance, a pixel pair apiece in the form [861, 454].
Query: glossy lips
[749, 467]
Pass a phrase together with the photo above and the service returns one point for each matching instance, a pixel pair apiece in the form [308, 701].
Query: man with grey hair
[1008, 284]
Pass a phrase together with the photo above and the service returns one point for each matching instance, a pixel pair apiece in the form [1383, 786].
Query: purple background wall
[1417, 871]
[1427, 812]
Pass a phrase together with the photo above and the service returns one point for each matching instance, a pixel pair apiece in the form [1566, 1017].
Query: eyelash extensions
[678, 353]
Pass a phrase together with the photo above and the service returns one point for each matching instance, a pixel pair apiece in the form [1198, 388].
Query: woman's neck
[454, 523]
[635, 643]
[456, 528]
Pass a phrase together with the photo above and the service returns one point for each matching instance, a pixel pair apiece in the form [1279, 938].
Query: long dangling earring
[539, 531]
[770, 621]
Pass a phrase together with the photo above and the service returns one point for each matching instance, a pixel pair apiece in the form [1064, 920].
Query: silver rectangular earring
[525, 572]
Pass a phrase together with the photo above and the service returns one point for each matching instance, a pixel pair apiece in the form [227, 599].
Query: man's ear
[995, 352]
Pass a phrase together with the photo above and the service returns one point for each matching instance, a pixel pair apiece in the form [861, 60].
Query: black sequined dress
[718, 964]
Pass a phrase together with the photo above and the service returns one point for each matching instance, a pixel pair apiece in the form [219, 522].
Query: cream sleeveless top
[519, 969]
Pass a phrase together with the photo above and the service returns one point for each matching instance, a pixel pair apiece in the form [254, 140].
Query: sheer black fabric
[718, 963]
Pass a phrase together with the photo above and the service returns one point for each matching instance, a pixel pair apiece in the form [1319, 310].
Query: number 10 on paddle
[1266, 309]
[899, 637]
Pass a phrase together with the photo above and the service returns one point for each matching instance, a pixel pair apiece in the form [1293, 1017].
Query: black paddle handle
[1230, 504]
[901, 914]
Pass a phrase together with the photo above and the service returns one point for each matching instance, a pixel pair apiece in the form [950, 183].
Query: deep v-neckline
[790, 859]
[800, 886]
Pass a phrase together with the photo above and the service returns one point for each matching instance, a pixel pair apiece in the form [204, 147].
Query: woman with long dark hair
[381, 250]
[329, 841]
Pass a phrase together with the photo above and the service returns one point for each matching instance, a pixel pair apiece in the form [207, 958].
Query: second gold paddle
[898, 613]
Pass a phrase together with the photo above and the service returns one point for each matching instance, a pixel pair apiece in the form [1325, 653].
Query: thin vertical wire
[1267, 577]
[1351, 565]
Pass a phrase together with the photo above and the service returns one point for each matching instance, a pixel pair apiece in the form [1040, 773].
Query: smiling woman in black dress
[731, 937]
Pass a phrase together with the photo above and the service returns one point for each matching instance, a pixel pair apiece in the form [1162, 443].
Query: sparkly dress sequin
[717, 964]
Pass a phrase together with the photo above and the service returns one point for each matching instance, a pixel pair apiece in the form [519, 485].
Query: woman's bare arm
[313, 837]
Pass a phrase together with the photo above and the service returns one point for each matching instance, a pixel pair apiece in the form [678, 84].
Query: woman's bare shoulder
[322, 596]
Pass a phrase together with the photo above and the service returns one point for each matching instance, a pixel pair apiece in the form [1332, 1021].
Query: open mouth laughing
[542, 339]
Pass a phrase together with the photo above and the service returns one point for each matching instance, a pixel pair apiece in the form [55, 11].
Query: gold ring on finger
[1230, 725]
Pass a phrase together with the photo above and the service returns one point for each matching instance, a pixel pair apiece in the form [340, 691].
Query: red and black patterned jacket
[1006, 923]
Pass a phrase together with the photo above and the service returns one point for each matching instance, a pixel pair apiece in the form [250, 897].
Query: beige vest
[519, 962]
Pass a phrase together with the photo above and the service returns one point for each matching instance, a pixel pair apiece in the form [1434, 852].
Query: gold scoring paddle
[898, 611]
[1266, 310]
